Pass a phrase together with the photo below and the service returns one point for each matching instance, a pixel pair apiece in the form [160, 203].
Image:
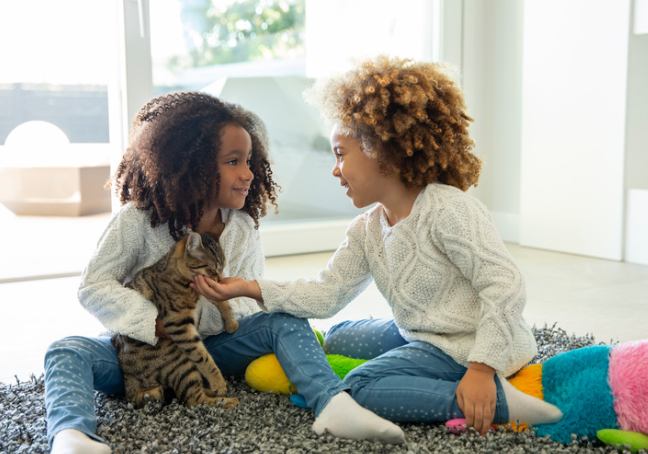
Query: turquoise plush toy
[601, 390]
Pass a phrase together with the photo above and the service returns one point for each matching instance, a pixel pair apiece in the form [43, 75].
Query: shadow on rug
[264, 423]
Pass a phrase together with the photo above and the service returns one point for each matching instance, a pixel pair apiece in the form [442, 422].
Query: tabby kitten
[180, 362]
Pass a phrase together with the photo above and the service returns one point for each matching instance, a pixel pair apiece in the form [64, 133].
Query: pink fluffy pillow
[628, 378]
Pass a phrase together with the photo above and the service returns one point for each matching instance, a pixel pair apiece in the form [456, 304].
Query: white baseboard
[289, 238]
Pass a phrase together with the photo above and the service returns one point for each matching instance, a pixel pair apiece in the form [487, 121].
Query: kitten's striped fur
[180, 362]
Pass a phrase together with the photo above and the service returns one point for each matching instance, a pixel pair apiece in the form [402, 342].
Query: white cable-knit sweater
[130, 244]
[444, 271]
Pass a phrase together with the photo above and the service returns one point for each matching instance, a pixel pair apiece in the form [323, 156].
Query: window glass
[253, 52]
[56, 64]
[51, 74]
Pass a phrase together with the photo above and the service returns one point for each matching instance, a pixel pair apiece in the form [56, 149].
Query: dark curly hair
[411, 116]
[171, 167]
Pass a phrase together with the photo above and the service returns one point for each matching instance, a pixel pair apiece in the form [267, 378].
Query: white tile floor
[583, 295]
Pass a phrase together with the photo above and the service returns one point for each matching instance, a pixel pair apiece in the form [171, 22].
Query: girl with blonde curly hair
[195, 163]
[400, 140]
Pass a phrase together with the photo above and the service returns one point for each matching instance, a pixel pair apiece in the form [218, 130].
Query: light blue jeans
[403, 381]
[76, 366]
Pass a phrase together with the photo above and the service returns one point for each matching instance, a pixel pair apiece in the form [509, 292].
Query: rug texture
[264, 423]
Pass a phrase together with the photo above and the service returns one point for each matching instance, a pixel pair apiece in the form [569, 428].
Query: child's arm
[477, 396]
[503, 342]
[227, 288]
[466, 233]
[101, 292]
[346, 275]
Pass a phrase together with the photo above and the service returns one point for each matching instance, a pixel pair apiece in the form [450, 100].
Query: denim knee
[94, 358]
[67, 345]
[357, 378]
[282, 316]
[278, 321]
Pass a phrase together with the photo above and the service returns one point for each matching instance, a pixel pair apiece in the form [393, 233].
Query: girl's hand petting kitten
[227, 288]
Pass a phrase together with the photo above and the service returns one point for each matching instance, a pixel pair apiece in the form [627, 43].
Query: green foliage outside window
[220, 32]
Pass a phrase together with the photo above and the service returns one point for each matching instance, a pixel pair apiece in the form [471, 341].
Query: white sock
[527, 409]
[343, 417]
[72, 441]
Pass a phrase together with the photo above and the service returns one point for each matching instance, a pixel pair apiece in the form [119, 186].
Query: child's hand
[227, 288]
[477, 397]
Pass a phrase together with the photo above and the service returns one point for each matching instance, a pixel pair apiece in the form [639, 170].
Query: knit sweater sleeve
[346, 275]
[101, 292]
[467, 234]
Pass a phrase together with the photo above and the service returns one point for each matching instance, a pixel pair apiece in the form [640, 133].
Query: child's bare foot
[72, 441]
[344, 418]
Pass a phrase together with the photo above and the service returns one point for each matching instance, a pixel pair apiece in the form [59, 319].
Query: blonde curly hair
[411, 116]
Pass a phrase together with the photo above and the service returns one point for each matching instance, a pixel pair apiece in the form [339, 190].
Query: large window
[50, 74]
[83, 69]
[264, 54]
[254, 52]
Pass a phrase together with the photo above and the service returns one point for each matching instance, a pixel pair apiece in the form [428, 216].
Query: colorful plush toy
[601, 390]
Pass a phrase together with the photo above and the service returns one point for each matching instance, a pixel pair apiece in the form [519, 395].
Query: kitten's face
[204, 255]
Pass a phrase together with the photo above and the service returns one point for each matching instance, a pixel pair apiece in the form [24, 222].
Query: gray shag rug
[264, 423]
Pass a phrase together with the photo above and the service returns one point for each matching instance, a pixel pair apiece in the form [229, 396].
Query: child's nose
[336, 170]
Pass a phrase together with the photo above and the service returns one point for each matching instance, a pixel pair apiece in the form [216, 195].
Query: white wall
[574, 76]
[636, 164]
[637, 107]
[491, 60]
[492, 67]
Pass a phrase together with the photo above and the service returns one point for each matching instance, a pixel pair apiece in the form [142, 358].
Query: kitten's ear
[194, 245]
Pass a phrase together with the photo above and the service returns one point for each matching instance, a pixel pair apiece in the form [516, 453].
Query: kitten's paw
[141, 398]
[219, 386]
[228, 402]
[221, 392]
[231, 326]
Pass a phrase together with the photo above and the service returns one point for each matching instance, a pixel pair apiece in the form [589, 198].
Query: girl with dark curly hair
[194, 163]
[400, 140]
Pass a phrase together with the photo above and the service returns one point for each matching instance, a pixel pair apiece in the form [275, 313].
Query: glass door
[56, 70]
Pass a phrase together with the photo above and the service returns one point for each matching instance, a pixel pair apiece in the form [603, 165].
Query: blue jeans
[76, 366]
[403, 381]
